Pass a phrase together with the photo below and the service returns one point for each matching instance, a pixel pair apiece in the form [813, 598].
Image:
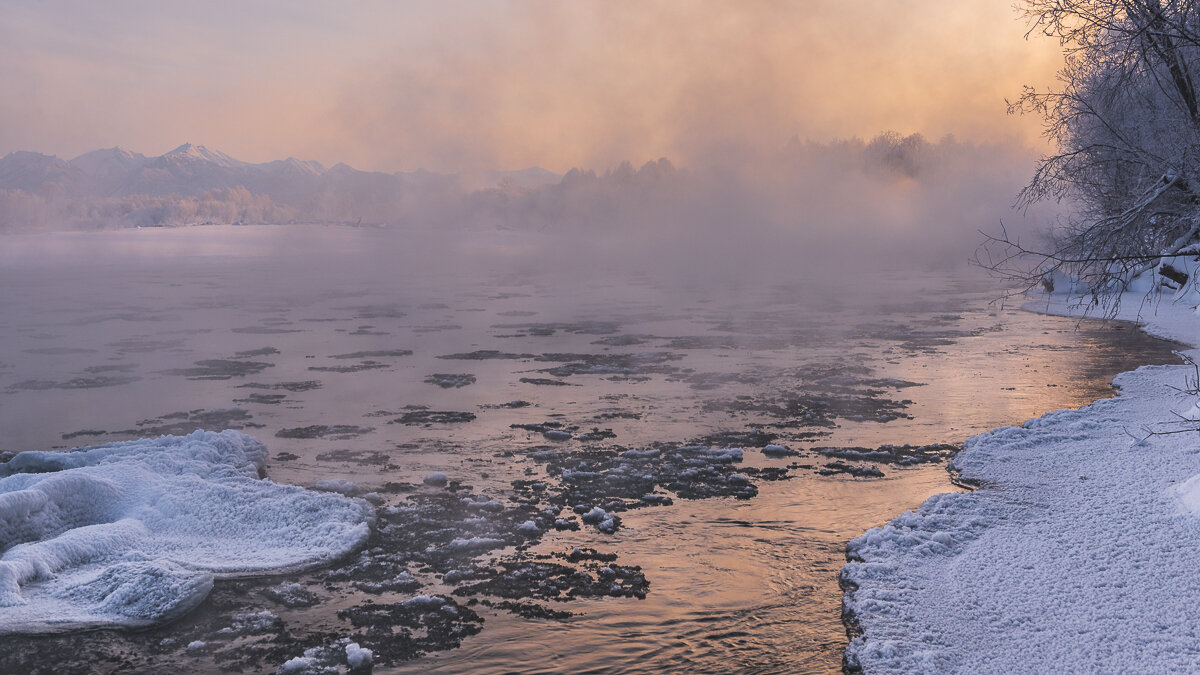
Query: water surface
[330, 345]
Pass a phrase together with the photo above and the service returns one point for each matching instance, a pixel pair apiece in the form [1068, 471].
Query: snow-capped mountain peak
[294, 166]
[108, 161]
[198, 153]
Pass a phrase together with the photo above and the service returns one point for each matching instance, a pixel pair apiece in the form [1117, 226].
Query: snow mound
[133, 534]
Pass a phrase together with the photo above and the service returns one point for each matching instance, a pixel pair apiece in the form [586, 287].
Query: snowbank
[1080, 554]
[133, 534]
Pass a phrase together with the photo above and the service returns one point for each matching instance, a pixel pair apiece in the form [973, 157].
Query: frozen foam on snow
[775, 450]
[133, 534]
[297, 665]
[340, 486]
[357, 656]
[329, 659]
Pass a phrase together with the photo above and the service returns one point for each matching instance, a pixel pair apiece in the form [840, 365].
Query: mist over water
[805, 211]
[301, 336]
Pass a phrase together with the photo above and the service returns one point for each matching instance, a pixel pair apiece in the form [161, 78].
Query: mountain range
[191, 170]
[114, 187]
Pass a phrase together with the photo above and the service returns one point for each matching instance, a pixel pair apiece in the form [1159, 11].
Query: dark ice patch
[114, 368]
[623, 340]
[386, 353]
[265, 330]
[294, 387]
[262, 399]
[547, 329]
[509, 405]
[426, 417]
[644, 363]
[855, 470]
[484, 355]
[900, 455]
[255, 353]
[380, 311]
[401, 631]
[185, 422]
[336, 432]
[59, 351]
[802, 408]
[291, 595]
[361, 457]
[519, 579]
[219, 369]
[546, 382]
[90, 382]
[83, 432]
[451, 380]
[352, 368]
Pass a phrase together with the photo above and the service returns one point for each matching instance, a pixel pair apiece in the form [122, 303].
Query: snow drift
[1079, 554]
[133, 534]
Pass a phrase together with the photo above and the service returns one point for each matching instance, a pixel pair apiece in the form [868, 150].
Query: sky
[449, 85]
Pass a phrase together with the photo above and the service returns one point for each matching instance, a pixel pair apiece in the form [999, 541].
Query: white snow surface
[133, 534]
[1080, 552]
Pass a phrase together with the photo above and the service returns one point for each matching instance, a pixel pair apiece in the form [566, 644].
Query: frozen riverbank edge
[1080, 553]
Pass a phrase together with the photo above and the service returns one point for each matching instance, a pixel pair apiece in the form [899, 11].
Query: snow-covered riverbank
[1080, 552]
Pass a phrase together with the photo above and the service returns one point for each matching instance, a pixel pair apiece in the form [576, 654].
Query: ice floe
[132, 534]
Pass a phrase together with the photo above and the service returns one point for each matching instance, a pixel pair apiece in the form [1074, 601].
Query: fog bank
[891, 201]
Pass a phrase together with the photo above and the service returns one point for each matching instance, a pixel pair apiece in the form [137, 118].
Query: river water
[330, 345]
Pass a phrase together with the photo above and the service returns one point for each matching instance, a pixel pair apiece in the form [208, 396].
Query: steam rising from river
[807, 210]
[894, 202]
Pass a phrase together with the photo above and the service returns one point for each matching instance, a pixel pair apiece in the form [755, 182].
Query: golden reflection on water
[751, 586]
[993, 382]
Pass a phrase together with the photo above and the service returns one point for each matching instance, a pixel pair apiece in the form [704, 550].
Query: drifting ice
[133, 534]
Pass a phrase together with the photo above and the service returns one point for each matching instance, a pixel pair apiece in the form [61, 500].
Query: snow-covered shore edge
[1081, 552]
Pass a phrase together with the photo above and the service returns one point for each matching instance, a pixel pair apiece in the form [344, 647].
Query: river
[380, 358]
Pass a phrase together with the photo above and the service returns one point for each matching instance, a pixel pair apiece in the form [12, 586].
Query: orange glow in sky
[453, 85]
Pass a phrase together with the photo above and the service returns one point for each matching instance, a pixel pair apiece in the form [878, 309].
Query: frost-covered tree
[1125, 121]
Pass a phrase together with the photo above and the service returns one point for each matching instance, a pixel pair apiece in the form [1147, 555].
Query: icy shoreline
[1079, 554]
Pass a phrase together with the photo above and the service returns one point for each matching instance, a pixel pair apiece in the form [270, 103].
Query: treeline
[23, 210]
[890, 186]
